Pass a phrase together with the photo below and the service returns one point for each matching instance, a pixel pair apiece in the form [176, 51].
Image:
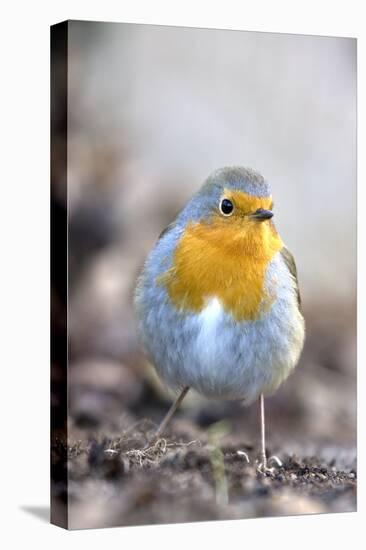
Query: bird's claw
[264, 466]
[276, 461]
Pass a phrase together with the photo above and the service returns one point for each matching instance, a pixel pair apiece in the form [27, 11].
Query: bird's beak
[261, 214]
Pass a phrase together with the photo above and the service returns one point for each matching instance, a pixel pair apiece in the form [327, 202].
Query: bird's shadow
[40, 512]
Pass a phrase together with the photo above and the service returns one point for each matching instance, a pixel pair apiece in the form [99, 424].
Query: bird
[217, 301]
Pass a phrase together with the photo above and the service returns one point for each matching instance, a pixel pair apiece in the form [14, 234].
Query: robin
[218, 302]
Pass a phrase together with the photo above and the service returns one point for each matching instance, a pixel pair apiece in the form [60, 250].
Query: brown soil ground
[194, 475]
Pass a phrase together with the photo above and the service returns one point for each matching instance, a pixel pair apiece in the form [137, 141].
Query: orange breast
[225, 259]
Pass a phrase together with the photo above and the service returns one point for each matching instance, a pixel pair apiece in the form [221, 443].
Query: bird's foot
[264, 466]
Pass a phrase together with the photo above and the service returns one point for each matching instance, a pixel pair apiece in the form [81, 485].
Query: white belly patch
[210, 320]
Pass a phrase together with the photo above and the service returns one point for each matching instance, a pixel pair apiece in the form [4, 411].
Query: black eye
[226, 207]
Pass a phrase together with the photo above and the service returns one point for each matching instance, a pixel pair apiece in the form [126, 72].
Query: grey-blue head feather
[208, 196]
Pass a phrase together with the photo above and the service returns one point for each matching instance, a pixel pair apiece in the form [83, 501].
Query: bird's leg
[263, 465]
[170, 413]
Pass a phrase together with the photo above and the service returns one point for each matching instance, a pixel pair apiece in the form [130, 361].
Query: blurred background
[151, 112]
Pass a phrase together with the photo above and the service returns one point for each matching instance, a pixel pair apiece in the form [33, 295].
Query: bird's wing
[291, 266]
